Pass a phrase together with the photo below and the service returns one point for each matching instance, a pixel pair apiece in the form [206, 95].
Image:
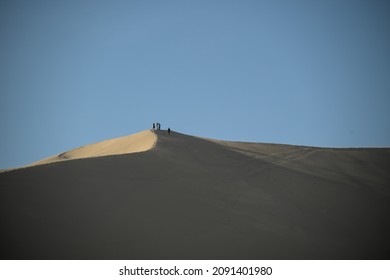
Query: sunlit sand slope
[134, 143]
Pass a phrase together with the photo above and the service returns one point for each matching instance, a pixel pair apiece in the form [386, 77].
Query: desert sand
[186, 197]
[139, 142]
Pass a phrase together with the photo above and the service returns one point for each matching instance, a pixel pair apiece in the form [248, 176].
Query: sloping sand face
[135, 143]
[190, 198]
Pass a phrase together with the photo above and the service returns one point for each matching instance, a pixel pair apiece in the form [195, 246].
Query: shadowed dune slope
[191, 198]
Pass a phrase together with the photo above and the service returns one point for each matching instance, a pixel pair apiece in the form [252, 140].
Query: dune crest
[135, 143]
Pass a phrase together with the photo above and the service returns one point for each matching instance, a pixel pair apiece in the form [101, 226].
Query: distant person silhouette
[154, 126]
[169, 131]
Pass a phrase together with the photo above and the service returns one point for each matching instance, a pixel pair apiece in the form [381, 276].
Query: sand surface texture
[191, 198]
[139, 142]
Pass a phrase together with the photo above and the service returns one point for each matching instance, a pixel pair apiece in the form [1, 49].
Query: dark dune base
[190, 198]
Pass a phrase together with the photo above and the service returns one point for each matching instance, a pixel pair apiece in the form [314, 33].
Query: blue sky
[296, 72]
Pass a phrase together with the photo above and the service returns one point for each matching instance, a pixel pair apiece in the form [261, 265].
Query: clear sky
[296, 72]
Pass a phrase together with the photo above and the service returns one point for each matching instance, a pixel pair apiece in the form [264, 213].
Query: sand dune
[192, 198]
[139, 142]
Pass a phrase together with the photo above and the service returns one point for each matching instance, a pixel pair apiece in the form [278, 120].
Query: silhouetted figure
[154, 126]
[169, 131]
